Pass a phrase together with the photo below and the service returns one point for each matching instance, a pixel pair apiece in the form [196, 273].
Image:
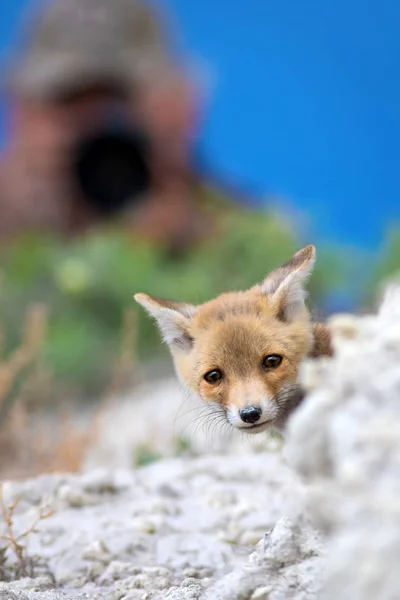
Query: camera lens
[111, 168]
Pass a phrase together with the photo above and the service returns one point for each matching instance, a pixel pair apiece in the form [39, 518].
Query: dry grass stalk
[126, 364]
[23, 357]
[25, 564]
[56, 443]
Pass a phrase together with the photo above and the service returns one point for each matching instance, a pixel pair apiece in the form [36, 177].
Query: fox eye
[272, 361]
[213, 376]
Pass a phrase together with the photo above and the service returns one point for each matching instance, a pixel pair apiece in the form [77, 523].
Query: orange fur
[234, 333]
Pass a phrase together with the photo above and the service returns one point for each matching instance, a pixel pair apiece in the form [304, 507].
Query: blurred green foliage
[88, 282]
[384, 268]
[144, 454]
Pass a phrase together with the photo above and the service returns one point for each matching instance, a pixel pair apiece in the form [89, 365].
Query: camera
[110, 165]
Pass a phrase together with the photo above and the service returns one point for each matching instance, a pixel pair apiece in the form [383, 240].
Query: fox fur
[242, 350]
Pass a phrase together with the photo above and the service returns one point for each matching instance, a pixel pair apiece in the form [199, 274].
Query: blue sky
[305, 103]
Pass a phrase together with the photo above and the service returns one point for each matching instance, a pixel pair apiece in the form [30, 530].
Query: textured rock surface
[345, 441]
[239, 524]
[178, 529]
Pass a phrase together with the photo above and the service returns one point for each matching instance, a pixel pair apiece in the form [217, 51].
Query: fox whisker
[241, 349]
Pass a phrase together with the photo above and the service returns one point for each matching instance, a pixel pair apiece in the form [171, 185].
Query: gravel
[319, 518]
[180, 528]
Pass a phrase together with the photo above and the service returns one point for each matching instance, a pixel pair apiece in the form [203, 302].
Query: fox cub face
[243, 350]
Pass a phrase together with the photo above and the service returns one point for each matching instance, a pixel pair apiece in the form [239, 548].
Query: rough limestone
[345, 443]
[320, 519]
[178, 529]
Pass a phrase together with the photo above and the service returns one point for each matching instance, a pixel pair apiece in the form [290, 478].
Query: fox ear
[173, 319]
[286, 284]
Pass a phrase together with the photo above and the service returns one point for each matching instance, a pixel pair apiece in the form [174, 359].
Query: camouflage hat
[71, 43]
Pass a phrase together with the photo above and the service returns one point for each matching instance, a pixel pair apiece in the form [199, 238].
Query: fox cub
[243, 350]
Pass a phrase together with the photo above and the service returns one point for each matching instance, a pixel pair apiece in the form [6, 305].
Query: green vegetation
[384, 268]
[145, 455]
[89, 282]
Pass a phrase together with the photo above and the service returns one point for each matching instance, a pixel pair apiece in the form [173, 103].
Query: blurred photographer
[102, 120]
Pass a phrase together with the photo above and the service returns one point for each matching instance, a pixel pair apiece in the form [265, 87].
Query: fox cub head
[243, 350]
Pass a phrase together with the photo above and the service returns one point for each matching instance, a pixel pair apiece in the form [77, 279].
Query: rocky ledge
[319, 520]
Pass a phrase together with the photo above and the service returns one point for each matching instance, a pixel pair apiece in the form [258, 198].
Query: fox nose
[250, 414]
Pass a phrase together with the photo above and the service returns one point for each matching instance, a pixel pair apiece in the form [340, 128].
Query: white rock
[346, 440]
